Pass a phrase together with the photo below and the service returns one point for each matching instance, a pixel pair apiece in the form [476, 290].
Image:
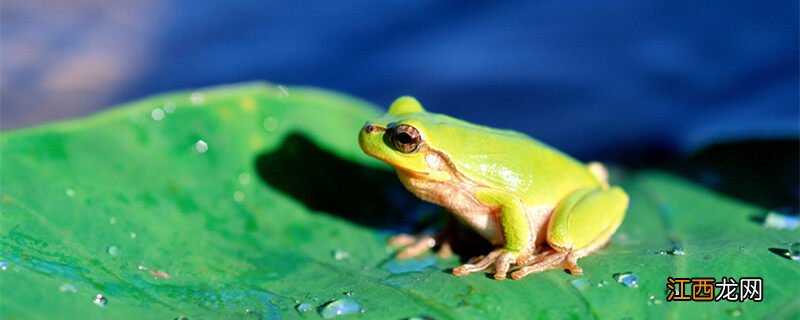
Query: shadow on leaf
[325, 182]
[783, 253]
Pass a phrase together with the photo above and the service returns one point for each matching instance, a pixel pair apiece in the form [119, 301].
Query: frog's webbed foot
[499, 260]
[418, 245]
[549, 260]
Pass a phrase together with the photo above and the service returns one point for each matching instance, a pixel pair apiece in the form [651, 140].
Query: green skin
[540, 207]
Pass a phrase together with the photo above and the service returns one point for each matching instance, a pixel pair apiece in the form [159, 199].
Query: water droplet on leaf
[270, 124]
[67, 287]
[70, 192]
[238, 196]
[778, 220]
[157, 114]
[303, 307]
[244, 178]
[627, 279]
[197, 98]
[340, 254]
[3, 265]
[169, 107]
[113, 251]
[100, 300]
[340, 307]
[201, 146]
[794, 251]
[580, 284]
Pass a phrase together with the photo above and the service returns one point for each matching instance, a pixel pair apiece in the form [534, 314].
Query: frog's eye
[405, 138]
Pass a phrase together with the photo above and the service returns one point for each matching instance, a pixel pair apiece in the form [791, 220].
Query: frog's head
[399, 139]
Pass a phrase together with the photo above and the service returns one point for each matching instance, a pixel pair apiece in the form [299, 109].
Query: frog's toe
[480, 265]
[401, 240]
[551, 260]
[503, 263]
[420, 245]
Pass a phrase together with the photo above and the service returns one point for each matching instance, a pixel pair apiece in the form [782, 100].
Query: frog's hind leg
[580, 225]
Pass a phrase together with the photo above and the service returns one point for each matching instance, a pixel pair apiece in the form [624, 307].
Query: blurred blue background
[604, 80]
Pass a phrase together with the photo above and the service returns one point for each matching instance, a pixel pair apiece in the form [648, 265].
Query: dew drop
[776, 219]
[197, 98]
[627, 279]
[794, 251]
[244, 178]
[113, 251]
[133, 235]
[157, 114]
[238, 196]
[182, 318]
[3, 266]
[735, 312]
[282, 91]
[69, 192]
[340, 255]
[652, 300]
[678, 251]
[201, 146]
[270, 124]
[304, 307]
[100, 300]
[112, 220]
[67, 287]
[340, 307]
[169, 107]
[580, 284]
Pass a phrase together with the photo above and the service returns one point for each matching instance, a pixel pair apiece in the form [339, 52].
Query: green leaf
[282, 208]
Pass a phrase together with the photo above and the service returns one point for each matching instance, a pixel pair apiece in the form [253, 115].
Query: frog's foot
[549, 260]
[500, 259]
[418, 245]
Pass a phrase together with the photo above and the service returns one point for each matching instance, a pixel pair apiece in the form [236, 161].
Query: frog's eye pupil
[406, 138]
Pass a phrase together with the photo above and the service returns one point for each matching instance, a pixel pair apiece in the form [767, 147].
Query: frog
[538, 207]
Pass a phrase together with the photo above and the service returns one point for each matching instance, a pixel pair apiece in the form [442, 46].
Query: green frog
[539, 207]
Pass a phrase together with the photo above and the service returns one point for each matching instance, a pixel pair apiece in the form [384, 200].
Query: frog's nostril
[369, 128]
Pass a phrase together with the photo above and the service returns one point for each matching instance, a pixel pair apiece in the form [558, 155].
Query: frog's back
[509, 160]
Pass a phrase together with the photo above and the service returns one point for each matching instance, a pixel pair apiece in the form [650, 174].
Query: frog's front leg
[580, 224]
[516, 233]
